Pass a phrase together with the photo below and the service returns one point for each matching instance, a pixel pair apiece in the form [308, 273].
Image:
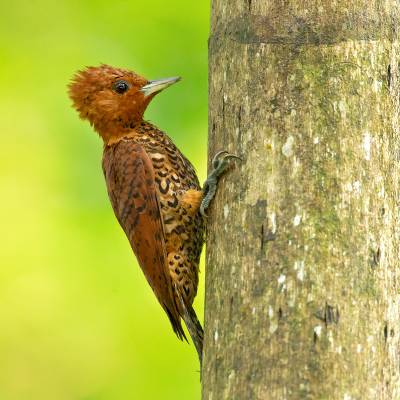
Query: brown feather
[153, 189]
[131, 187]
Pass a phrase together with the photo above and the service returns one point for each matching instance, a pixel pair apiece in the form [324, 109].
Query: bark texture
[303, 282]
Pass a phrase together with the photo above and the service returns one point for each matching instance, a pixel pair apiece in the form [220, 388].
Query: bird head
[113, 100]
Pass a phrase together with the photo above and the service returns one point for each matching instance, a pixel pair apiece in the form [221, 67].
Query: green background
[77, 318]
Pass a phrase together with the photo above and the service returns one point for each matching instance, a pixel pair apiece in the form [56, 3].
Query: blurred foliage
[78, 320]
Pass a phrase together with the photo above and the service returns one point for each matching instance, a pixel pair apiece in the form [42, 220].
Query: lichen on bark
[302, 281]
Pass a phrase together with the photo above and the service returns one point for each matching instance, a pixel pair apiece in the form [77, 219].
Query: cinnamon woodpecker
[153, 188]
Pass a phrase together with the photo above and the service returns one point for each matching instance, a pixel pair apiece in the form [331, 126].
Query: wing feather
[131, 187]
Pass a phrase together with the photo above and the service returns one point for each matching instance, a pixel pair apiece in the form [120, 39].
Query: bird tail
[193, 325]
[176, 325]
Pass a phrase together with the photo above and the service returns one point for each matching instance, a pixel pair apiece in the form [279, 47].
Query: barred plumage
[153, 188]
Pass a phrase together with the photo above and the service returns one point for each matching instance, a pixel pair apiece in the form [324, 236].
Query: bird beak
[158, 85]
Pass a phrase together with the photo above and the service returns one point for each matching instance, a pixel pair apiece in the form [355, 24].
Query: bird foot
[219, 164]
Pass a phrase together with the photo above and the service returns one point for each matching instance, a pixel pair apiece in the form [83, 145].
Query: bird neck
[117, 129]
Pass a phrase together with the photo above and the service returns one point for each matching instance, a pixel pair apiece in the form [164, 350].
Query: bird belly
[183, 227]
[177, 189]
[184, 240]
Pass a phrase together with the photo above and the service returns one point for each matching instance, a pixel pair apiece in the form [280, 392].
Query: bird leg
[219, 164]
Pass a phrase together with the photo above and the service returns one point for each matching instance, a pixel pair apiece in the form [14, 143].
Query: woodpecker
[152, 186]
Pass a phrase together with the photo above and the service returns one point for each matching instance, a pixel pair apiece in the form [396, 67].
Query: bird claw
[219, 163]
[203, 211]
[216, 161]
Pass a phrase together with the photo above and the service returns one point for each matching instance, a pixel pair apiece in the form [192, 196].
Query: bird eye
[120, 87]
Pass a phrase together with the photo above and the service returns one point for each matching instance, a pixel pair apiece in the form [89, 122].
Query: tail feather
[176, 325]
[193, 325]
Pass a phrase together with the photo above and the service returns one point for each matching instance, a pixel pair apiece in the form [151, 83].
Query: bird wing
[131, 187]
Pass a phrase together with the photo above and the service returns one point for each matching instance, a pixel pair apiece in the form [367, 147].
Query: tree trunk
[303, 282]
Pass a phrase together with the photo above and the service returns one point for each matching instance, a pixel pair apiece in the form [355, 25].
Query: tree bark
[303, 282]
